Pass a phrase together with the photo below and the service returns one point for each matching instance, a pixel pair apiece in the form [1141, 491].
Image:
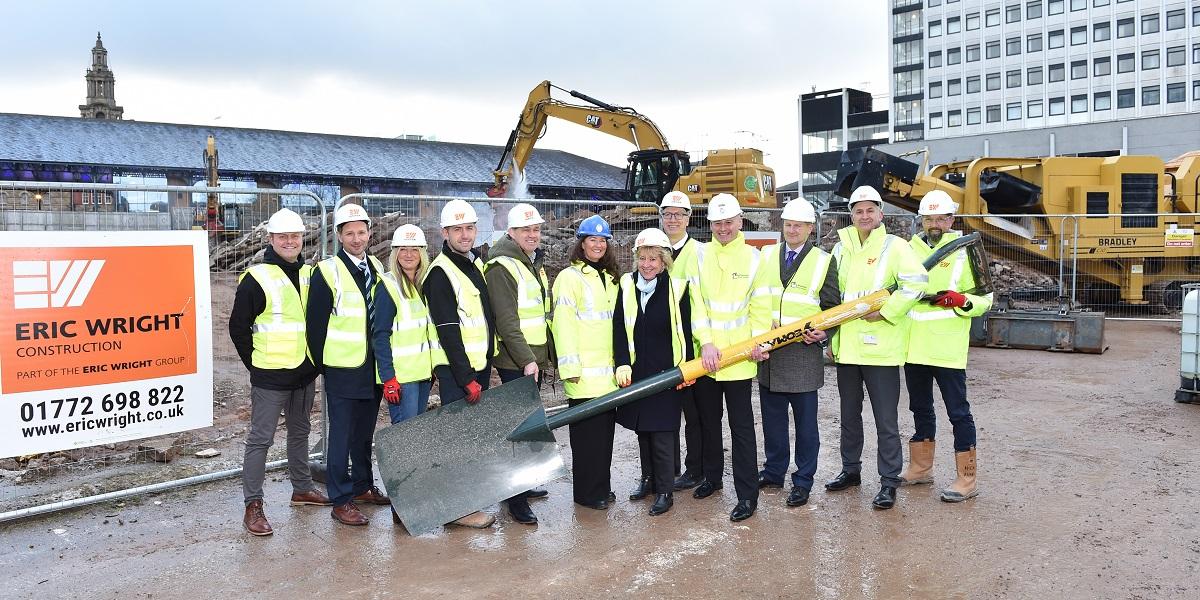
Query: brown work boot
[475, 520]
[255, 521]
[310, 498]
[373, 496]
[964, 486]
[920, 463]
[348, 514]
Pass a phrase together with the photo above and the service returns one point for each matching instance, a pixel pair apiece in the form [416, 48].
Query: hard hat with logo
[285, 220]
[594, 225]
[458, 212]
[651, 237]
[408, 236]
[723, 206]
[865, 193]
[799, 210]
[524, 215]
[676, 199]
[937, 202]
[350, 212]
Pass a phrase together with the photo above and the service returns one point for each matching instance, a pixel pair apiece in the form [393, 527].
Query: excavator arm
[619, 121]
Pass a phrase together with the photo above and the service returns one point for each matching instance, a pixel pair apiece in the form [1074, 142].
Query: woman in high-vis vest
[652, 332]
[401, 335]
[585, 294]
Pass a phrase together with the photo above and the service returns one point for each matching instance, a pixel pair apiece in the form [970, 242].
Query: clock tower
[101, 104]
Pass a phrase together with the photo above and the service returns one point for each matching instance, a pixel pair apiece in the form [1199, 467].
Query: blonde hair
[408, 289]
[663, 254]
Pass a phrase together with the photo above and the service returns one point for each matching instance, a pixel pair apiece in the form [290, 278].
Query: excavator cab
[653, 173]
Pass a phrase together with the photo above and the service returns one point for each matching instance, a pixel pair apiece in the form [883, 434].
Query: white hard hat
[458, 212]
[523, 215]
[863, 193]
[799, 210]
[285, 220]
[350, 212]
[676, 199]
[651, 237]
[408, 235]
[723, 206]
[937, 202]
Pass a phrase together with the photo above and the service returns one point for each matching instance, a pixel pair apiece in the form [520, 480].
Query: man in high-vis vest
[731, 302]
[339, 316]
[520, 295]
[804, 281]
[674, 212]
[937, 351]
[461, 310]
[869, 351]
[267, 328]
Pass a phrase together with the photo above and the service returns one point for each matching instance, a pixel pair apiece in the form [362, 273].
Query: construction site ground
[1088, 471]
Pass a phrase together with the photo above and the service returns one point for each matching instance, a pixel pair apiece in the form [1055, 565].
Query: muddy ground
[1087, 467]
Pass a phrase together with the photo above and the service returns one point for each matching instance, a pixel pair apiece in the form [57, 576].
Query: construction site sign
[107, 337]
[1178, 238]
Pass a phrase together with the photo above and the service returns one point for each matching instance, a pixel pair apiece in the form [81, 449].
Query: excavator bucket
[868, 166]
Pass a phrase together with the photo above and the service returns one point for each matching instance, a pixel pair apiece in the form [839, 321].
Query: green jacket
[514, 353]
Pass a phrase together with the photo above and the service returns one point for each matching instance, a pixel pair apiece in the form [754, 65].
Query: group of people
[380, 333]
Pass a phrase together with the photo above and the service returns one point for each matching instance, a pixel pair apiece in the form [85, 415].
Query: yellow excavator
[654, 168]
[1134, 234]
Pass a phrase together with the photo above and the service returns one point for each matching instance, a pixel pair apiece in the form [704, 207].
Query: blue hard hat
[594, 225]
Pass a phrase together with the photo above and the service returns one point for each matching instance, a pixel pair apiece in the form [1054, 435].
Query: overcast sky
[710, 73]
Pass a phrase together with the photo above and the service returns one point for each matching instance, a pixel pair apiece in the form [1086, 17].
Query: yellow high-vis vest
[801, 297]
[533, 303]
[414, 338]
[278, 331]
[346, 339]
[731, 300]
[940, 336]
[472, 320]
[582, 329]
[629, 306]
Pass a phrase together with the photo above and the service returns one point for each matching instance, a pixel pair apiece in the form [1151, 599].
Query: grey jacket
[799, 367]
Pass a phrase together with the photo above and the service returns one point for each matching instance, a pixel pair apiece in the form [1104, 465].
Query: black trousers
[658, 458]
[591, 452]
[741, 429]
[691, 434]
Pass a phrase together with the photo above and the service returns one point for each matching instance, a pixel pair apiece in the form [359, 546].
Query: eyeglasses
[674, 216]
[937, 219]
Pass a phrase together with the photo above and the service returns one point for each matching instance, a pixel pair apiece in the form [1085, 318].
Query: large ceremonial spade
[460, 458]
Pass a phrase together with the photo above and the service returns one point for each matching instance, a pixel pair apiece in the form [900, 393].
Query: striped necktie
[370, 297]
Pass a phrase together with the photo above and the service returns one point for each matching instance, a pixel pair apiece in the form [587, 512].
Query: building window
[954, 87]
[1099, 3]
[1034, 76]
[908, 82]
[1033, 43]
[973, 84]
[973, 53]
[906, 53]
[1079, 69]
[1013, 79]
[953, 25]
[933, 3]
[1033, 9]
[1013, 110]
[1058, 72]
[1125, 27]
[973, 21]
[954, 56]
[1078, 5]
[1150, 95]
[934, 29]
[907, 112]
[993, 82]
[1079, 103]
[1149, 23]
[1176, 19]
[1149, 60]
[954, 118]
[1101, 31]
[992, 17]
[1058, 106]
[1176, 92]
[1054, 7]
[1176, 56]
[1196, 53]
[993, 113]
[935, 89]
[1079, 35]
[906, 23]
[993, 49]
[1012, 14]
[1056, 39]
[1125, 98]
[1195, 16]
[973, 116]
[935, 120]
[1102, 66]
[1102, 101]
[1196, 90]
[1125, 63]
[1033, 109]
[1013, 46]
[935, 59]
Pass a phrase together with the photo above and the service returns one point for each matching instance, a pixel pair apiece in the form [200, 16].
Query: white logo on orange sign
[53, 283]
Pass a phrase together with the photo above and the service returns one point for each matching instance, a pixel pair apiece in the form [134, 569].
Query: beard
[934, 235]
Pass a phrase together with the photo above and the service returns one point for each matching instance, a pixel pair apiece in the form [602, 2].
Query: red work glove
[391, 391]
[949, 299]
[474, 391]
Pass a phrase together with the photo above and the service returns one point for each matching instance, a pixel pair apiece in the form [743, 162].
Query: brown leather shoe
[348, 514]
[255, 521]
[475, 520]
[373, 496]
[310, 498]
